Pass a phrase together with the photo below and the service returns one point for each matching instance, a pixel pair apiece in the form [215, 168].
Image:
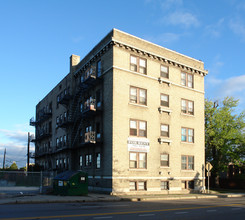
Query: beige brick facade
[125, 159]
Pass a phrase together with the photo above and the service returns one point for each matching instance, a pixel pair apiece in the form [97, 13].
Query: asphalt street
[220, 208]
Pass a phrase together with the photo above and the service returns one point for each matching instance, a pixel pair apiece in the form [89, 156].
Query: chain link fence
[14, 179]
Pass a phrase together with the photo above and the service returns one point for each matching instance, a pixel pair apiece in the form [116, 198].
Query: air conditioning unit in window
[87, 137]
[92, 107]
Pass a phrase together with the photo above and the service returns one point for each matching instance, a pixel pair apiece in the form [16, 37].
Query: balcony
[32, 138]
[42, 134]
[62, 146]
[91, 107]
[88, 79]
[41, 152]
[42, 116]
[65, 99]
[89, 75]
[33, 122]
[32, 155]
[64, 123]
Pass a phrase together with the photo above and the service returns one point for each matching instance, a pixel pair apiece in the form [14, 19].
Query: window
[164, 130]
[65, 164]
[98, 135]
[164, 185]
[138, 64]
[137, 185]
[187, 162]
[187, 184]
[137, 160]
[58, 100]
[88, 160]
[132, 186]
[98, 98]
[61, 140]
[164, 100]
[138, 128]
[99, 68]
[98, 160]
[164, 72]
[187, 80]
[81, 161]
[65, 92]
[187, 135]
[65, 116]
[65, 139]
[57, 142]
[187, 107]
[137, 95]
[164, 160]
[57, 121]
[141, 185]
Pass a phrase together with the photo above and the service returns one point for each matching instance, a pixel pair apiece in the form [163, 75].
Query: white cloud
[216, 66]
[215, 29]
[213, 81]
[19, 136]
[238, 28]
[234, 86]
[167, 4]
[15, 143]
[14, 152]
[220, 88]
[164, 4]
[184, 19]
[240, 6]
[163, 38]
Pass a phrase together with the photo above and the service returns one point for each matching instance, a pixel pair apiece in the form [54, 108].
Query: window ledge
[138, 169]
[162, 109]
[189, 171]
[162, 167]
[185, 142]
[188, 115]
[163, 80]
[164, 140]
[135, 104]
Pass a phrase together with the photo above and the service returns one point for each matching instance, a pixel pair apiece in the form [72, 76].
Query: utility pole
[4, 156]
[28, 152]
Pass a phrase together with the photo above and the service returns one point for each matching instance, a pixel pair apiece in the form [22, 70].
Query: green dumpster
[71, 183]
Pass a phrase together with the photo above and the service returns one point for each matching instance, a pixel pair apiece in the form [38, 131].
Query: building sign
[138, 144]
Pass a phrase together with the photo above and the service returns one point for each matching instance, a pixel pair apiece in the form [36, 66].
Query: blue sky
[38, 36]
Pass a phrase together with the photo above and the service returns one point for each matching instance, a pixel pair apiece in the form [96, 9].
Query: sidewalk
[93, 197]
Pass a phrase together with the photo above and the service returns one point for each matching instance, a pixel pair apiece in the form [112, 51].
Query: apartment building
[130, 114]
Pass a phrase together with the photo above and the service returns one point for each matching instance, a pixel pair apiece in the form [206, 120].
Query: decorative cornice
[117, 43]
[159, 58]
[93, 58]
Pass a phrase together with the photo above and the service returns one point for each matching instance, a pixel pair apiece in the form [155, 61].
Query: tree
[13, 166]
[224, 135]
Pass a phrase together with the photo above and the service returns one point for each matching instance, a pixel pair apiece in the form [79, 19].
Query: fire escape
[43, 131]
[86, 108]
